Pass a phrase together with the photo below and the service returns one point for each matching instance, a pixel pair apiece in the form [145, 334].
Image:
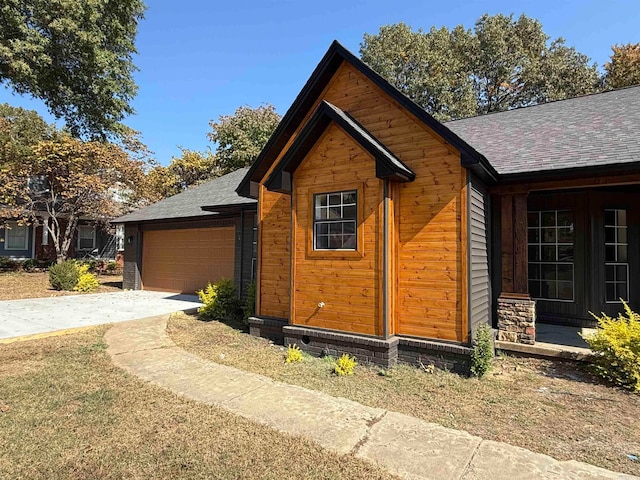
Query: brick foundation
[266, 327]
[366, 349]
[517, 320]
[321, 342]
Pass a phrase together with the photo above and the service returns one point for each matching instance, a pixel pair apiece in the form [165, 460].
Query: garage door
[185, 260]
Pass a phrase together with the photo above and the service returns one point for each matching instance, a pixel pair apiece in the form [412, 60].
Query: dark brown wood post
[514, 245]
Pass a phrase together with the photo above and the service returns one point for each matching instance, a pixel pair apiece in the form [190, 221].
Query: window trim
[556, 244]
[119, 234]
[78, 228]
[10, 226]
[616, 244]
[334, 188]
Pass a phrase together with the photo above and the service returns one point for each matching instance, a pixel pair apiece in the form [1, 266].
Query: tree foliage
[190, 168]
[503, 63]
[240, 137]
[623, 70]
[65, 178]
[75, 56]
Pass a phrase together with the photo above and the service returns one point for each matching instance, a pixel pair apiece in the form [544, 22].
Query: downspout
[241, 250]
[385, 260]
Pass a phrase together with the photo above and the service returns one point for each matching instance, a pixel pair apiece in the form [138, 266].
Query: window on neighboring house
[551, 255]
[335, 220]
[120, 237]
[86, 237]
[615, 255]
[16, 237]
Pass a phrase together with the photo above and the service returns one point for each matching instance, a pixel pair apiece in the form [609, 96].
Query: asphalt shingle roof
[588, 131]
[220, 191]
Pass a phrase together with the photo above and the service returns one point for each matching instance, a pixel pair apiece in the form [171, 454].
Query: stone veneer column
[517, 320]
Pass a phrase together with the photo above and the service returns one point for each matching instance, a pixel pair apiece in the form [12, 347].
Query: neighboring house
[23, 241]
[176, 246]
[385, 233]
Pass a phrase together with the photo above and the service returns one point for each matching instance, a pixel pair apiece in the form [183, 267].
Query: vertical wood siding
[479, 291]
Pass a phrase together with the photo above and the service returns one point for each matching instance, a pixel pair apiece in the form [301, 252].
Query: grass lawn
[14, 286]
[554, 408]
[67, 413]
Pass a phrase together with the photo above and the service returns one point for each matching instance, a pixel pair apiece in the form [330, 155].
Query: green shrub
[220, 301]
[87, 281]
[617, 343]
[345, 365]
[294, 354]
[249, 306]
[482, 355]
[112, 266]
[30, 265]
[8, 264]
[64, 276]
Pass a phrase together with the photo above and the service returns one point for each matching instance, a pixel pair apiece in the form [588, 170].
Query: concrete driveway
[40, 315]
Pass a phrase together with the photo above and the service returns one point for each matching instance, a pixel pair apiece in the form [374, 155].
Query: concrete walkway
[20, 318]
[404, 445]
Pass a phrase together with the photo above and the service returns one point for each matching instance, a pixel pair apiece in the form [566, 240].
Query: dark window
[551, 257]
[616, 269]
[334, 220]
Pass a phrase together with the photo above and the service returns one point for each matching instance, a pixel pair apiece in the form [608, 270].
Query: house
[176, 246]
[22, 241]
[387, 234]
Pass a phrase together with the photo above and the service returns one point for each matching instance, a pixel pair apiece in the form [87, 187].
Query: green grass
[67, 413]
[553, 408]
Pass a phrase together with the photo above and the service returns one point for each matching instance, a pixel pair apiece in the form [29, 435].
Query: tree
[623, 70]
[502, 64]
[66, 178]
[240, 137]
[75, 56]
[191, 168]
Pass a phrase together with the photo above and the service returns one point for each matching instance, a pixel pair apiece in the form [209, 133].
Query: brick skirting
[268, 327]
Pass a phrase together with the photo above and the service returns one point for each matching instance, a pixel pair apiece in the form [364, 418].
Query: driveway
[41, 315]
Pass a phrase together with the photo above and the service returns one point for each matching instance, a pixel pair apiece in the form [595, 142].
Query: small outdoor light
[130, 239]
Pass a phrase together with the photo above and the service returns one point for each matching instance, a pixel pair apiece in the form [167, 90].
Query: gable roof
[590, 131]
[320, 77]
[217, 193]
[387, 164]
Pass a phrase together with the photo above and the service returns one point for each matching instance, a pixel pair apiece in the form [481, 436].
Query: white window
[45, 231]
[120, 237]
[16, 237]
[86, 237]
[616, 261]
[335, 220]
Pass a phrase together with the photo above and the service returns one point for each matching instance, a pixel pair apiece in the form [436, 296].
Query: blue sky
[200, 59]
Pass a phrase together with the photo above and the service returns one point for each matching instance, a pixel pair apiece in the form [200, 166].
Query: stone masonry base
[366, 349]
[517, 320]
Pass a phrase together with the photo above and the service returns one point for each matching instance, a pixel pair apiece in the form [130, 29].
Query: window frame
[85, 227]
[10, 226]
[119, 234]
[616, 226]
[358, 252]
[556, 244]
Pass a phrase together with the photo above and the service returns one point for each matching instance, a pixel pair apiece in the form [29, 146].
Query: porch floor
[553, 341]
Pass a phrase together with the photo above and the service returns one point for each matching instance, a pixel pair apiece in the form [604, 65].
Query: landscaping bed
[66, 412]
[19, 285]
[551, 407]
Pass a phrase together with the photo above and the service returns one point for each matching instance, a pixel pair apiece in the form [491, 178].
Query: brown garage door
[185, 260]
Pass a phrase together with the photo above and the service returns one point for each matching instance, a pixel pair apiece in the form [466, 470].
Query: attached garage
[185, 260]
[176, 245]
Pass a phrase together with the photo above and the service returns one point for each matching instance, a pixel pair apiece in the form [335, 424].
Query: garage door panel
[186, 260]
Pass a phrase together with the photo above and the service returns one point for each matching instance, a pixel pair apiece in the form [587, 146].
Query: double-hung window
[86, 237]
[16, 236]
[335, 220]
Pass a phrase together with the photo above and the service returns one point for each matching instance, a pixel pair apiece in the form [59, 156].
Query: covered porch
[567, 247]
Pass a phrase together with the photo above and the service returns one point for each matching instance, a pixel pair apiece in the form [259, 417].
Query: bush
[112, 266]
[30, 265]
[294, 354]
[8, 264]
[617, 343]
[482, 355]
[220, 301]
[87, 282]
[249, 307]
[345, 365]
[64, 276]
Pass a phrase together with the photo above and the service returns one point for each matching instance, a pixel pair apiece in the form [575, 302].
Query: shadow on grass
[113, 284]
[237, 323]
